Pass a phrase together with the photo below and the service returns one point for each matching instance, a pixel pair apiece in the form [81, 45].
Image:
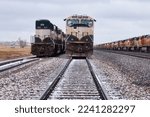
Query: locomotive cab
[43, 44]
[80, 31]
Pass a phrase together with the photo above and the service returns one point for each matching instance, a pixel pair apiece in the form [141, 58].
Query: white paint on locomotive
[48, 39]
[79, 26]
[79, 31]
[43, 29]
[43, 33]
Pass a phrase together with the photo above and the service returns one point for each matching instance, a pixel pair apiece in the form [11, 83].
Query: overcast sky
[115, 19]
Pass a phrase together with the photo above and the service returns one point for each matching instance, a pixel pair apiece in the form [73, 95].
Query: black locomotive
[48, 40]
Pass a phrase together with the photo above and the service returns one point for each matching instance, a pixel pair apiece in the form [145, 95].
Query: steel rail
[133, 54]
[13, 64]
[100, 88]
[50, 88]
[15, 60]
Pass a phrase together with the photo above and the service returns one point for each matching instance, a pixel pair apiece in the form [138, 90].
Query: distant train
[79, 32]
[141, 43]
[49, 40]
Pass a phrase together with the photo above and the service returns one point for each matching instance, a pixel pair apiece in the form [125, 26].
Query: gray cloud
[116, 19]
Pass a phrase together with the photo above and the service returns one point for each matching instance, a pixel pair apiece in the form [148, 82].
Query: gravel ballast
[123, 76]
[126, 75]
[29, 81]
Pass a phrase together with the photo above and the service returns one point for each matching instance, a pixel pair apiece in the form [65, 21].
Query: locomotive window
[87, 22]
[44, 24]
[71, 22]
[90, 23]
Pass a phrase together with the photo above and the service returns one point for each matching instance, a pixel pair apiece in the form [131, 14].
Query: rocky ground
[30, 80]
[128, 76]
[124, 77]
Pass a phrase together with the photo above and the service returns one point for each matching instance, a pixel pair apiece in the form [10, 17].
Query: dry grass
[7, 52]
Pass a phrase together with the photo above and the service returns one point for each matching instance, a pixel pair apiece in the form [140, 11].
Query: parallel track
[68, 84]
[6, 65]
[15, 60]
[134, 54]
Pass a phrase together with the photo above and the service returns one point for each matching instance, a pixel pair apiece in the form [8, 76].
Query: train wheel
[148, 49]
[129, 49]
[135, 48]
[140, 49]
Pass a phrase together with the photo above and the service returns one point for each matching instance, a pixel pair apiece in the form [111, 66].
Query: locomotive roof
[79, 17]
[43, 20]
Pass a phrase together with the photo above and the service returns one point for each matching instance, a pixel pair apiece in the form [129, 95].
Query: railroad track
[5, 65]
[134, 54]
[76, 81]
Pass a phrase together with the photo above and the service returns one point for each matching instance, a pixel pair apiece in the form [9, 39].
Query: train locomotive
[140, 43]
[79, 35]
[48, 40]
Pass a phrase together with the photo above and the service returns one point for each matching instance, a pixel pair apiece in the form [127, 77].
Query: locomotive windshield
[86, 22]
[75, 22]
[44, 24]
[72, 22]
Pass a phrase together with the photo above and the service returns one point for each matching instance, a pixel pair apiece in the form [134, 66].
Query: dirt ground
[7, 52]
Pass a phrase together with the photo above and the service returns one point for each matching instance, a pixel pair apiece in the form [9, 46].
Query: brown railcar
[141, 43]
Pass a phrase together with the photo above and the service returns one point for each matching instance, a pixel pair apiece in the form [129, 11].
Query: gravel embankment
[30, 80]
[128, 76]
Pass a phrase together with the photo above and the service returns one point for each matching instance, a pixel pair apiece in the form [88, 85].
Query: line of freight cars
[141, 43]
[48, 40]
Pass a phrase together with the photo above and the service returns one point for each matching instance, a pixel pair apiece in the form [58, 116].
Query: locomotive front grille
[79, 48]
[42, 49]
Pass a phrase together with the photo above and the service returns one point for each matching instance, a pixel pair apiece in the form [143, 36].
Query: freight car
[79, 31]
[140, 43]
[48, 40]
